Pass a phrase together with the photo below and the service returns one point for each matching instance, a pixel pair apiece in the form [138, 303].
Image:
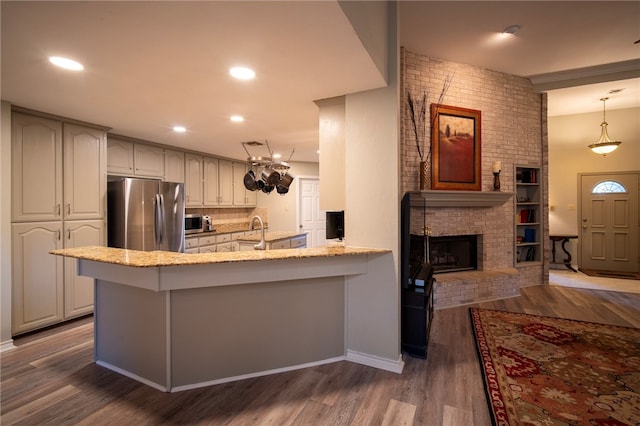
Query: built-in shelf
[459, 198]
[528, 217]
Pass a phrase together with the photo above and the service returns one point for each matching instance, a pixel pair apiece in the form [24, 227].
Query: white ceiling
[151, 65]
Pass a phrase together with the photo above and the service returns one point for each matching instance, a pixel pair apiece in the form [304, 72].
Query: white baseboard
[6, 346]
[376, 362]
[256, 374]
[132, 376]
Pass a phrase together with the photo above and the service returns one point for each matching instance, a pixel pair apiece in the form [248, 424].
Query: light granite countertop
[272, 236]
[147, 259]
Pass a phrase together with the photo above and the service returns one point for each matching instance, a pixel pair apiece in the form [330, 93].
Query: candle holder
[496, 181]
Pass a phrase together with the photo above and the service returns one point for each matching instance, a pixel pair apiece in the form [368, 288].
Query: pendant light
[605, 145]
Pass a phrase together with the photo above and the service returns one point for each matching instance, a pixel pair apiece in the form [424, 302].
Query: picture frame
[455, 148]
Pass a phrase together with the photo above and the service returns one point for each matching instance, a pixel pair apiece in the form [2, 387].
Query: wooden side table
[564, 239]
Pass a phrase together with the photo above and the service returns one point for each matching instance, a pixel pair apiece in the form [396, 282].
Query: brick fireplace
[514, 133]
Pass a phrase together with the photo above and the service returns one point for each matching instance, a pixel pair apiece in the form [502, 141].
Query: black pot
[268, 188]
[250, 181]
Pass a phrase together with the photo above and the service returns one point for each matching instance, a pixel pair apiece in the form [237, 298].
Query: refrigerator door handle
[159, 219]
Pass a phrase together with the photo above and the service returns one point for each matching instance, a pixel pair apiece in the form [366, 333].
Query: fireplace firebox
[447, 253]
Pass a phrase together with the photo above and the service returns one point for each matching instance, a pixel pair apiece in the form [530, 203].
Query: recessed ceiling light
[237, 118]
[276, 155]
[242, 73]
[66, 63]
[179, 129]
[511, 30]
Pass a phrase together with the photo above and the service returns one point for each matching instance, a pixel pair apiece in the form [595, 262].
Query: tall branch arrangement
[418, 109]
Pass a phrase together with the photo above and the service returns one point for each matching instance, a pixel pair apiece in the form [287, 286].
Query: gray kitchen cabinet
[85, 178]
[37, 283]
[208, 181]
[276, 245]
[119, 157]
[193, 184]
[36, 157]
[173, 166]
[59, 187]
[218, 182]
[78, 290]
[211, 188]
[241, 196]
[299, 242]
[128, 158]
[207, 249]
[225, 182]
[59, 170]
[148, 161]
[283, 243]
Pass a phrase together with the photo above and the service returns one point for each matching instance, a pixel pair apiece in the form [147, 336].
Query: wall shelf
[459, 198]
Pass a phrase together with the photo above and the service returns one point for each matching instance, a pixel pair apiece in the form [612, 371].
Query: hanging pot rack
[269, 174]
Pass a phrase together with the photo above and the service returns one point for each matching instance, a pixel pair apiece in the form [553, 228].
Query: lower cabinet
[286, 243]
[46, 288]
[78, 291]
[38, 287]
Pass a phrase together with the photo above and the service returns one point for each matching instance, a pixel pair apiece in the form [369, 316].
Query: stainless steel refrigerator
[144, 214]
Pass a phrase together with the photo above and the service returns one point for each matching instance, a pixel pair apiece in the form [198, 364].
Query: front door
[608, 221]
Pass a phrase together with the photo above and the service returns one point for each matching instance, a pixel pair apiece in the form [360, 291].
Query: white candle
[497, 165]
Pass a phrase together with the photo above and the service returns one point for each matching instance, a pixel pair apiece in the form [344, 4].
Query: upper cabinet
[134, 159]
[193, 180]
[148, 161]
[51, 159]
[173, 166]
[85, 162]
[209, 181]
[119, 157]
[211, 189]
[225, 183]
[36, 157]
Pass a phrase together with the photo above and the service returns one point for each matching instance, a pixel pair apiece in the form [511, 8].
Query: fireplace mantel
[459, 198]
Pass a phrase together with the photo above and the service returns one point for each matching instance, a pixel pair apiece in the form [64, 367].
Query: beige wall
[372, 211]
[282, 209]
[569, 155]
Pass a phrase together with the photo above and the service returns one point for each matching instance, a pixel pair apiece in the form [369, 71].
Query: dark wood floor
[50, 378]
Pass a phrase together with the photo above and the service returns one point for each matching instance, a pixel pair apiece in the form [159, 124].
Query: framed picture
[455, 148]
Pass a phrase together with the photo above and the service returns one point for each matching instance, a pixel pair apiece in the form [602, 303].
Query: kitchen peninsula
[180, 321]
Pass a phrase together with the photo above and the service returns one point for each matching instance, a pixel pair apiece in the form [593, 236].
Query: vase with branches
[418, 111]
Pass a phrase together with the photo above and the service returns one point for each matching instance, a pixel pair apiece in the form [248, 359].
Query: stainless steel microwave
[192, 223]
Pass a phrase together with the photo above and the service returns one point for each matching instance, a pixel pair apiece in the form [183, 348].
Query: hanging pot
[285, 182]
[270, 176]
[250, 181]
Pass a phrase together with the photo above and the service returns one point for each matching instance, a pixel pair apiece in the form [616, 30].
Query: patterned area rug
[551, 371]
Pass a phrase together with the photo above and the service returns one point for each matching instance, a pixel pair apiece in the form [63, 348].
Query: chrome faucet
[262, 244]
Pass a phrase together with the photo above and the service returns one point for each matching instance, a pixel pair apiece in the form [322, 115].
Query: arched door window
[608, 187]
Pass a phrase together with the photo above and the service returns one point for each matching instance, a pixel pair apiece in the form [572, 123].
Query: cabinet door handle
[58, 209]
[68, 233]
[68, 208]
[58, 235]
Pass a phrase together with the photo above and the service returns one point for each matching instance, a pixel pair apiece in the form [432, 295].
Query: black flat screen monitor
[335, 225]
